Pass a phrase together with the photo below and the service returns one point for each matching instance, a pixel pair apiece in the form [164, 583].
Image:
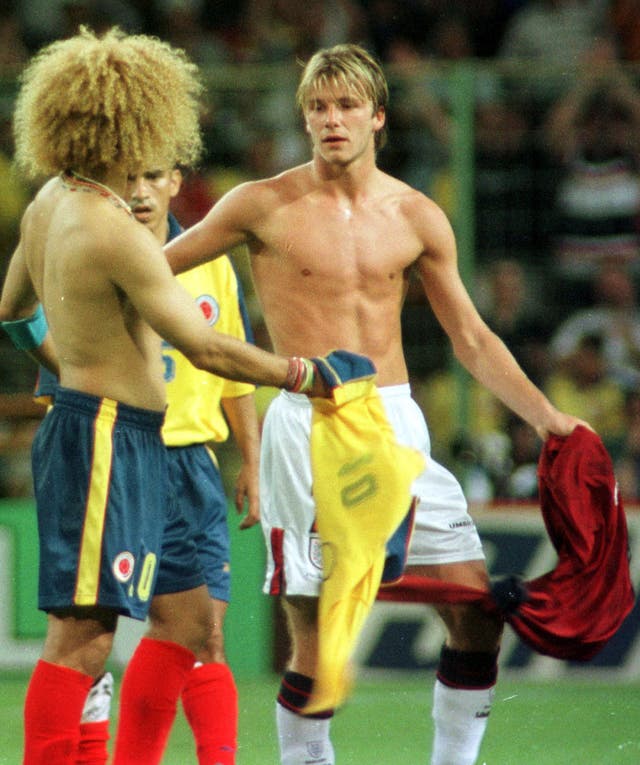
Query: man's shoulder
[290, 179]
[268, 194]
[412, 201]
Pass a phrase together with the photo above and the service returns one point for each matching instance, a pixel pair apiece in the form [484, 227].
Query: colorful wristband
[299, 375]
[28, 333]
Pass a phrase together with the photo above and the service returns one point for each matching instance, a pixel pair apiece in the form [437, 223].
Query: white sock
[303, 740]
[460, 718]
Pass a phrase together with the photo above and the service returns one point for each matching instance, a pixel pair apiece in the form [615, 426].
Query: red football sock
[92, 748]
[210, 701]
[52, 711]
[150, 689]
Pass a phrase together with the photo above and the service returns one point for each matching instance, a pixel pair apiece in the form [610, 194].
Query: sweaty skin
[331, 244]
[109, 296]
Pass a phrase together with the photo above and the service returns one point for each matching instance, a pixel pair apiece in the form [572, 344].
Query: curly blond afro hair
[92, 103]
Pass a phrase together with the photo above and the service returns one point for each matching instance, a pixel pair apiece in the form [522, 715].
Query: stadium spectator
[593, 134]
[512, 302]
[613, 314]
[554, 38]
[582, 386]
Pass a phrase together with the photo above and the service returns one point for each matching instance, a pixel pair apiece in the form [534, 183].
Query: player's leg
[180, 624]
[76, 648]
[210, 697]
[293, 572]
[303, 739]
[467, 670]
[445, 544]
[156, 673]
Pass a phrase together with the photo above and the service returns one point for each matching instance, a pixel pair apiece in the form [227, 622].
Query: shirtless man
[90, 112]
[332, 243]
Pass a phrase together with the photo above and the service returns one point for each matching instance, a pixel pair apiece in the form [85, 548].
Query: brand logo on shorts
[461, 524]
[210, 308]
[123, 565]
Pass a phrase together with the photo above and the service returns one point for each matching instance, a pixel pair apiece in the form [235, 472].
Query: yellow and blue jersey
[194, 414]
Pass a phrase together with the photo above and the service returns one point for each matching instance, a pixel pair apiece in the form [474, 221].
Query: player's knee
[80, 638]
[213, 652]
[470, 628]
[183, 618]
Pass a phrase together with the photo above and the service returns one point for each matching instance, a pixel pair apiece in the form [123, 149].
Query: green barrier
[18, 516]
[247, 626]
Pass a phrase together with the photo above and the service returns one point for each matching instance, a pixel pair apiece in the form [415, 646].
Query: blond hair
[91, 103]
[346, 65]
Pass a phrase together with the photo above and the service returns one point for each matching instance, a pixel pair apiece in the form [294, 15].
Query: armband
[299, 375]
[28, 333]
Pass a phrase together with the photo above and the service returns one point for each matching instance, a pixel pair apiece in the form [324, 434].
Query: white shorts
[444, 532]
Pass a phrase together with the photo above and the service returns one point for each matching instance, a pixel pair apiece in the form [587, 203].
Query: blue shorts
[100, 477]
[197, 489]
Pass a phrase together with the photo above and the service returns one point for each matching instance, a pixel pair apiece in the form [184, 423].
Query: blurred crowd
[553, 87]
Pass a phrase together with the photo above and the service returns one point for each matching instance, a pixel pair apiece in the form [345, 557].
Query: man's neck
[350, 180]
[161, 231]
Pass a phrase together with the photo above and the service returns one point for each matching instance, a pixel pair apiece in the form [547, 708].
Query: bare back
[71, 243]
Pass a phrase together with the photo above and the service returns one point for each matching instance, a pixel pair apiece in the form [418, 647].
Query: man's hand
[319, 387]
[303, 377]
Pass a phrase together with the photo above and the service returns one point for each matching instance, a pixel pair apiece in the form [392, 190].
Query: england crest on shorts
[315, 551]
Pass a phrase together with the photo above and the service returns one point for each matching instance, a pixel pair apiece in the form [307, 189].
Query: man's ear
[176, 182]
[379, 119]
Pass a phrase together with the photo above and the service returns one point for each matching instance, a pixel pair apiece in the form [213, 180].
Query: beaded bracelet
[299, 377]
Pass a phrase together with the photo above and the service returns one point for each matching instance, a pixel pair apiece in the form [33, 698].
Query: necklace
[74, 181]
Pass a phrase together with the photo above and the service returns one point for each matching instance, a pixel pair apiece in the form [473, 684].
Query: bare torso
[331, 270]
[71, 241]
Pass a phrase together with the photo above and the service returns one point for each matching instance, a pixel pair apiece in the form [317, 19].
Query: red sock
[210, 701]
[52, 711]
[92, 748]
[150, 689]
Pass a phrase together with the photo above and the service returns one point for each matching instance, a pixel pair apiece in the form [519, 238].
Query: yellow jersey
[194, 413]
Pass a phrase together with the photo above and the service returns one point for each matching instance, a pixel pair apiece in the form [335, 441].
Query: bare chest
[339, 241]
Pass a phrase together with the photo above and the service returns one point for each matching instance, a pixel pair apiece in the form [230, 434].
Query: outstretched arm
[227, 225]
[477, 348]
[136, 264]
